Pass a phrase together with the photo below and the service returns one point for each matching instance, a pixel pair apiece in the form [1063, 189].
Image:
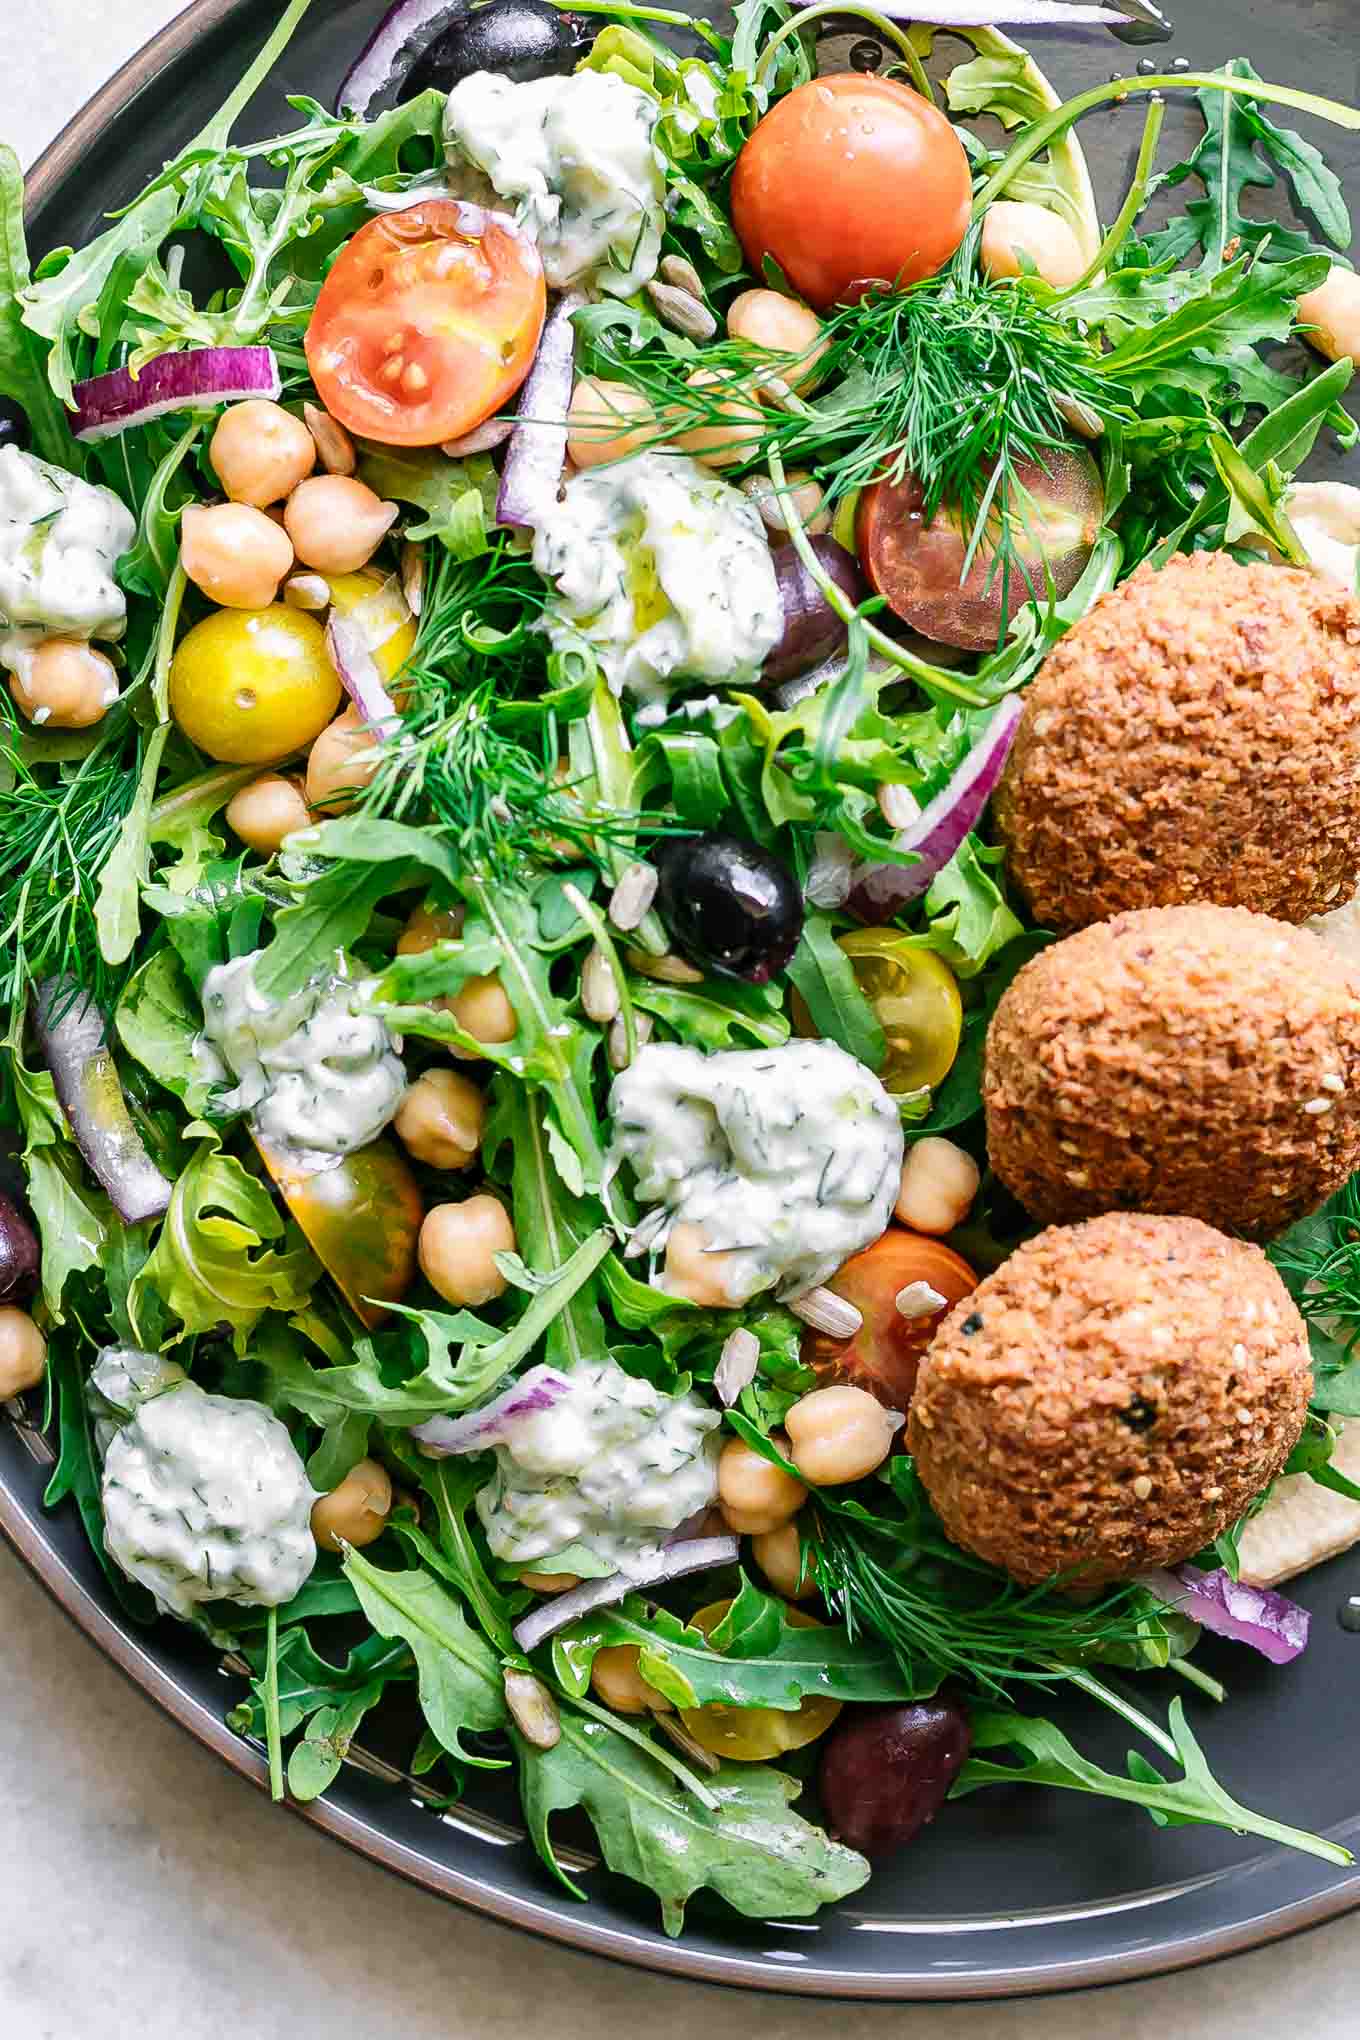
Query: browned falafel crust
[1199, 1060]
[1111, 1398]
[1196, 736]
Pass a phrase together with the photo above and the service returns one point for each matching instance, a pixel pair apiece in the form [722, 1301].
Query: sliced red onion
[404, 31]
[538, 444]
[358, 669]
[110, 403]
[1268, 1621]
[882, 890]
[698, 1554]
[1022, 14]
[74, 1042]
[542, 1388]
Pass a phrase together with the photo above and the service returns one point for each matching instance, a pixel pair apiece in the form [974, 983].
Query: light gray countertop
[147, 1894]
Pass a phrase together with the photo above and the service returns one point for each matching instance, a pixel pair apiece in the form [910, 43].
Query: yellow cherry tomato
[752, 1735]
[915, 1000]
[374, 601]
[251, 686]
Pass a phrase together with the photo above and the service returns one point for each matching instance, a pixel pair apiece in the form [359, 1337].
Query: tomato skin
[361, 1219]
[249, 686]
[428, 321]
[851, 178]
[755, 1735]
[885, 1353]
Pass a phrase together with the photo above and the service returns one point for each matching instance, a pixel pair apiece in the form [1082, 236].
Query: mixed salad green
[571, 894]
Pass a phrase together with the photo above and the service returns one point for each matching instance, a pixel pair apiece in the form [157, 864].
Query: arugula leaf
[366, 839]
[1240, 304]
[779, 1667]
[216, 920]
[1046, 1757]
[22, 373]
[716, 1015]
[824, 977]
[117, 910]
[330, 914]
[158, 1021]
[753, 1850]
[457, 496]
[224, 1255]
[458, 1673]
[550, 1223]
[331, 1699]
[73, 1222]
[76, 1474]
[969, 918]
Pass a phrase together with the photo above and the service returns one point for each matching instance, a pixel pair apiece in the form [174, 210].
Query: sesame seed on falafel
[1196, 736]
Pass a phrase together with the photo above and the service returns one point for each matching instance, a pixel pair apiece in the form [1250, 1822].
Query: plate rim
[24, 1529]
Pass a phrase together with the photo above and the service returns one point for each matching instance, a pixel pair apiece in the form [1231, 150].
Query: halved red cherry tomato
[848, 180]
[885, 1353]
[427, 322]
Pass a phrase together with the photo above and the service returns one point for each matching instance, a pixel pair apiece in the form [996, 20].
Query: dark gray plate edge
[25, 1534]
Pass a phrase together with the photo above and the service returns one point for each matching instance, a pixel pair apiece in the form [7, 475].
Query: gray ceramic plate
[1009, 1892]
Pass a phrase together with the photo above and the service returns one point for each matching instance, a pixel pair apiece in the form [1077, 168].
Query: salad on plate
[678, 916]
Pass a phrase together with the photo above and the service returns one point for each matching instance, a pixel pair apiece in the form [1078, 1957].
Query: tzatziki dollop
[788, 1160]
[318, 1075]
[60, 538]
[612, 1468]
[665, 571]
[574, 156]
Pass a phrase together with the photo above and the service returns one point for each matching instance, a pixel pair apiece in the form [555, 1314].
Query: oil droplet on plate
[1348, 1614]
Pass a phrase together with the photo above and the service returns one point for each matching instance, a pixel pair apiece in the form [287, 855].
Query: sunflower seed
[631, 900]
[663, 970]
[1081, 417]
[618, 1039]
[919, 1300]
[333, 444]
[413, 578]
[682, 311]
[827, 1312]
[481, 439]
[306, 591]
[682, 274]
[534, 1709]
[898, 806]
[736, 1365]
[599, 987]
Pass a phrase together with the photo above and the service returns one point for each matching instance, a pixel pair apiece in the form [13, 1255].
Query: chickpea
[753, 1495]
[458, 1246]
[440, 1119]
[695, 1271]
[235, 554]
[260, 452]
[736, 431]
[1048, 241]
[549, 1582]
[341, 762]
[355, 1512]
[781, 325]
[839, 1434]
[337, 523]
[606, 421]
[1329, 317]
[939, 1183]
[779, 1554]
[427, 925]
[482, 1010]
[267, 810]
[23, 1352]
[64, 684]
[618, 1682]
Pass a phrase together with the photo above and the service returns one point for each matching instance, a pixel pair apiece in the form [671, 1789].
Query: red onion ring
[108, 404]
[697, 1554]
[1269, 1622]
[537, 447]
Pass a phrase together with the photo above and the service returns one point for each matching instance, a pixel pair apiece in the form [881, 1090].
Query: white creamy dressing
[1326, 518]
[205, 1497]
[664, 570]
[789, 1159]
[613, 1467]
[121, 1379]
[575, 158]
[318, 1075]
[60, 538]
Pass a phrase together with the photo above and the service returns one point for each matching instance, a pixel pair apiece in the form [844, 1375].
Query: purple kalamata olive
[886, 1771]
[728, 904]
[18, 1254]
[812, 629]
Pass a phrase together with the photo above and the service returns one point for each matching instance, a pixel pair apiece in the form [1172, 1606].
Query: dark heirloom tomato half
[918, 565]
[849, 180]
[361, 1218]
[427, 322]
[885, 1353]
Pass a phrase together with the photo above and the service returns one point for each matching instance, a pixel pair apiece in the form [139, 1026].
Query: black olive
[518, 39]
[13, 426]
[729, 904]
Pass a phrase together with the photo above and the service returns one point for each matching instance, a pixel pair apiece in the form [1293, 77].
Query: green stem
[891, 32]
[1040, 133]
[1193, 1676]
[621, 10]
[1107, 1697]
[1133, 203]
[165, 642]
[595, 921]
[272, 1726]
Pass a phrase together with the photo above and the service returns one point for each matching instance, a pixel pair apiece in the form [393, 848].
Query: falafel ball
[1195, 737]
[1111, 1398]
[1198, 1060]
